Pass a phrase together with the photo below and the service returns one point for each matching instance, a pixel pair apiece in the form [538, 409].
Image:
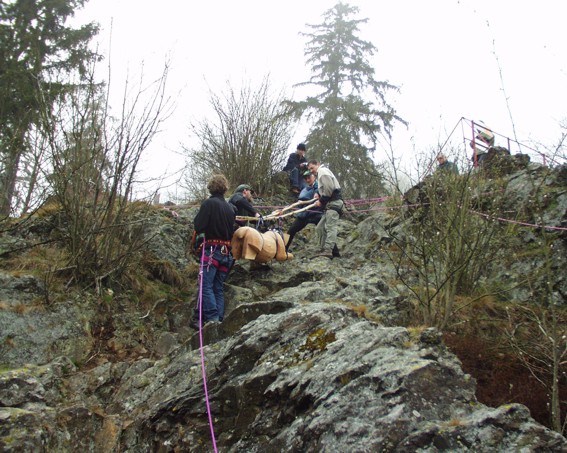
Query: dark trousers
[296, 180]
[297, 225]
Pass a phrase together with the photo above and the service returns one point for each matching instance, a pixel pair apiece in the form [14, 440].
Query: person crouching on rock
[296, 164]
[216, 220]
[305, 218]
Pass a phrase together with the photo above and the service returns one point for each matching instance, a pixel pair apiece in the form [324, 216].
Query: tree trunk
[8, 181]
[556, 373]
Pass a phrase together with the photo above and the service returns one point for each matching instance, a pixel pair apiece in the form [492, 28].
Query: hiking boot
[324, 255]
[335, 252]
[195, 323]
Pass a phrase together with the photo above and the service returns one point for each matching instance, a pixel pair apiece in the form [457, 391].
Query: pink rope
[500, 219]
[533, 225]
[352, 202]
[360, 202]
[204, 373]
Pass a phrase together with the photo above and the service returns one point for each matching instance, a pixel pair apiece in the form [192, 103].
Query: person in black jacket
[241, 200]
[215, 220]
[296, 164]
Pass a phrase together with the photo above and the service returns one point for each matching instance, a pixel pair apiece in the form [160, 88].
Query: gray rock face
[31, 334]
[311, 356]
[317, 377]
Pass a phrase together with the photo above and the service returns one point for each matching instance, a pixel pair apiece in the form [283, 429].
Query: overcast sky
[451, 59]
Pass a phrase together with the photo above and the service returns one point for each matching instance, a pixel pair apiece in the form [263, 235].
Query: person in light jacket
[329, 197]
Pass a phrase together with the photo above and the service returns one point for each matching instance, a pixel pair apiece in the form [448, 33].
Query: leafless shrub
[93, 165]
[445, 244]
[538, 337]
[247, 141]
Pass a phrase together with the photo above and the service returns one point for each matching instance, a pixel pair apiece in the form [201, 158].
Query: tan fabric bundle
[249, 244]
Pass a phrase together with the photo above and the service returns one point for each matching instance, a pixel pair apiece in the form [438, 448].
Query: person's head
[309, 178]
[217, 185]
[301, 148]
[313, 166]
[441, 159]
[246, 191]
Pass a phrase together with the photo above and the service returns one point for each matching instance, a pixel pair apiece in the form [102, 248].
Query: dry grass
[361, 311]
[36, 261]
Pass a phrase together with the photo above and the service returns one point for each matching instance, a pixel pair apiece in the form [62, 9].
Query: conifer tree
[350, 109]
[36, 48]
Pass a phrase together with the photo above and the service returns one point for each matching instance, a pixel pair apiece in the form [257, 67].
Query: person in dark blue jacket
[241, 201]
[296, 164]
[215, 220]
[313, 215]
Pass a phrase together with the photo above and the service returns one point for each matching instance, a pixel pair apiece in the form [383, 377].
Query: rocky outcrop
[317, 377]
[307, 377]
[312, 355]
[34, 334]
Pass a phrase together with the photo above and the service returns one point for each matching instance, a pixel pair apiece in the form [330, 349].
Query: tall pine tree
[350, 109]
[36, 48]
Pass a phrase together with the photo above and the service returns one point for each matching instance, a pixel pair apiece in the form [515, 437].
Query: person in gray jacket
[330, 199]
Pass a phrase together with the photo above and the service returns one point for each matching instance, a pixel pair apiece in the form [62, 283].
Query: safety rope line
[446, 141]
[201, 346]
[353, 201]
[517, 222]
[486, 216]
[382, 199]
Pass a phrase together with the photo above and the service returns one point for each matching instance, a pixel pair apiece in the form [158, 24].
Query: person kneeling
[313, 215]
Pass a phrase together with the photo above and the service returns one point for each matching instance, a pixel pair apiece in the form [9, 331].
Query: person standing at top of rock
[215, 220]
[483, 141]
[446, 165]
[296, 162]
[330, 199]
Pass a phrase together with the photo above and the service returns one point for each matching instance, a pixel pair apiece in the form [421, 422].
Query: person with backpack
[303, 219]
[215, 220]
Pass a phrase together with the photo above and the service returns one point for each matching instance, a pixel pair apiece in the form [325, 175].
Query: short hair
[313, 162]
[301, 147]
[218, 184]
